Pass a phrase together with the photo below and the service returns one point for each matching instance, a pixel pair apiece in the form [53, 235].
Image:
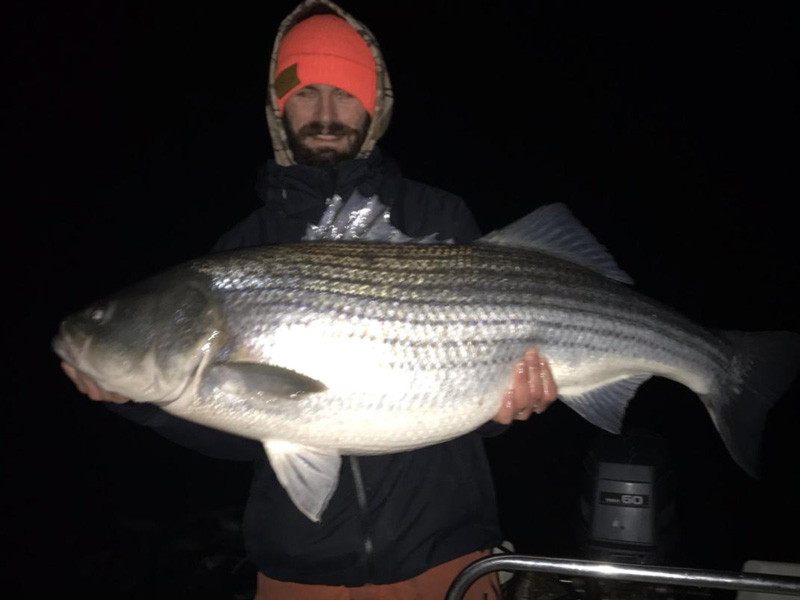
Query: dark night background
[132, 133]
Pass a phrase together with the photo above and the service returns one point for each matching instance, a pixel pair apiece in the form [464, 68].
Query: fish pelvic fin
[605, 406]
[308, 475]
[761, 370]
[553, 229]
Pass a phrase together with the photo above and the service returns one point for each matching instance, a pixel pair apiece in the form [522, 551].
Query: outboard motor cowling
[628, 502]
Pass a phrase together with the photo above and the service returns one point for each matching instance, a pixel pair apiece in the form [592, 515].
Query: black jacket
[392, 516]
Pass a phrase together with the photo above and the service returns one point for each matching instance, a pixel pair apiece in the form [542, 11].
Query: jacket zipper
[361, 496]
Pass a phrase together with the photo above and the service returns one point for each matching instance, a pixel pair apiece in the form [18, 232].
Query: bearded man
[400, 525]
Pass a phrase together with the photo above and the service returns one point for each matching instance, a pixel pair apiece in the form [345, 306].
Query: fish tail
[761, 370]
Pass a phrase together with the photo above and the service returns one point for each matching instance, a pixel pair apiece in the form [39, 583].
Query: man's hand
[532, 389]
[88, 386]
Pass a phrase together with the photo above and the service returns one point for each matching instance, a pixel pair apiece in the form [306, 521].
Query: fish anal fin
[605, 406]
[308, 475]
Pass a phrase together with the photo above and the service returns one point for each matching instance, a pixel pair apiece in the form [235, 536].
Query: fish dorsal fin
[308, 475]
[553, 229]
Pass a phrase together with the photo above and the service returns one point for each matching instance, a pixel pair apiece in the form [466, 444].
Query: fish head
[146, 343]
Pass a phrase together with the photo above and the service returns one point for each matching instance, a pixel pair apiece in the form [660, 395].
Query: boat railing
[724, 580]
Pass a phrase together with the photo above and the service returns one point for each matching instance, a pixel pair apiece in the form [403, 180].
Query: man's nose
[326, 109]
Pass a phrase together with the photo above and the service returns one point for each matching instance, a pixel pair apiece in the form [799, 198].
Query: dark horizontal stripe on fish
[399, 257]
[467, 286]
[476, 278]
[448, 363]
[665, 324]
[522, 268]
[684, 350]
[604, 334]
[410, 256]
[471, 283]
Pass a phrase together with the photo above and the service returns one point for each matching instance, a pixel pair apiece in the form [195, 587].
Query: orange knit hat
[325, 49]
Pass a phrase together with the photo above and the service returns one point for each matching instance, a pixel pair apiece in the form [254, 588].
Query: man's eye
[343, 95]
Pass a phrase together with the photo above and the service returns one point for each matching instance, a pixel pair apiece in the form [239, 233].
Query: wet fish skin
[322, 349]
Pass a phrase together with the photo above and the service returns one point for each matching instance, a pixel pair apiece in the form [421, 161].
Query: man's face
[325, 125]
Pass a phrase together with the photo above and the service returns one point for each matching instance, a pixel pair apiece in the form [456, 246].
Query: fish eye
[99, 313]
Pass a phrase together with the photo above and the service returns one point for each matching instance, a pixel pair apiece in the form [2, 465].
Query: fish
[322, 349]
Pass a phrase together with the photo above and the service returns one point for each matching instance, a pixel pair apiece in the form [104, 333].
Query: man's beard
[325, 158]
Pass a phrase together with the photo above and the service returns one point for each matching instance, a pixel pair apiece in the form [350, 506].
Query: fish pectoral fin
[255, 382]
[605, 406]
[308, 475]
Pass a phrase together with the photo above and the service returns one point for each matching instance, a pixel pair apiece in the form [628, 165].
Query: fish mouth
[64, 347]
[70, 345]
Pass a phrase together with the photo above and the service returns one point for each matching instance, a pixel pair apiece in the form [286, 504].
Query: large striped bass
[321, 349]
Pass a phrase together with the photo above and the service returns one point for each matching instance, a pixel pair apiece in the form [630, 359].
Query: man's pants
[430, 585]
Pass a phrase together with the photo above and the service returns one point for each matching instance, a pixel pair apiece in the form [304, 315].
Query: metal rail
[723, 580]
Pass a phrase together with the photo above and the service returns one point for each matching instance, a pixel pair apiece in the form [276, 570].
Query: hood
[385, 97]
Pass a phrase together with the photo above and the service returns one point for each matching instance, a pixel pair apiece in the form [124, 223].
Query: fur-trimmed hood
[385, 97]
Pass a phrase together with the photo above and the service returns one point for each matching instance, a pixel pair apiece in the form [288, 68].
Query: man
[397, 526]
